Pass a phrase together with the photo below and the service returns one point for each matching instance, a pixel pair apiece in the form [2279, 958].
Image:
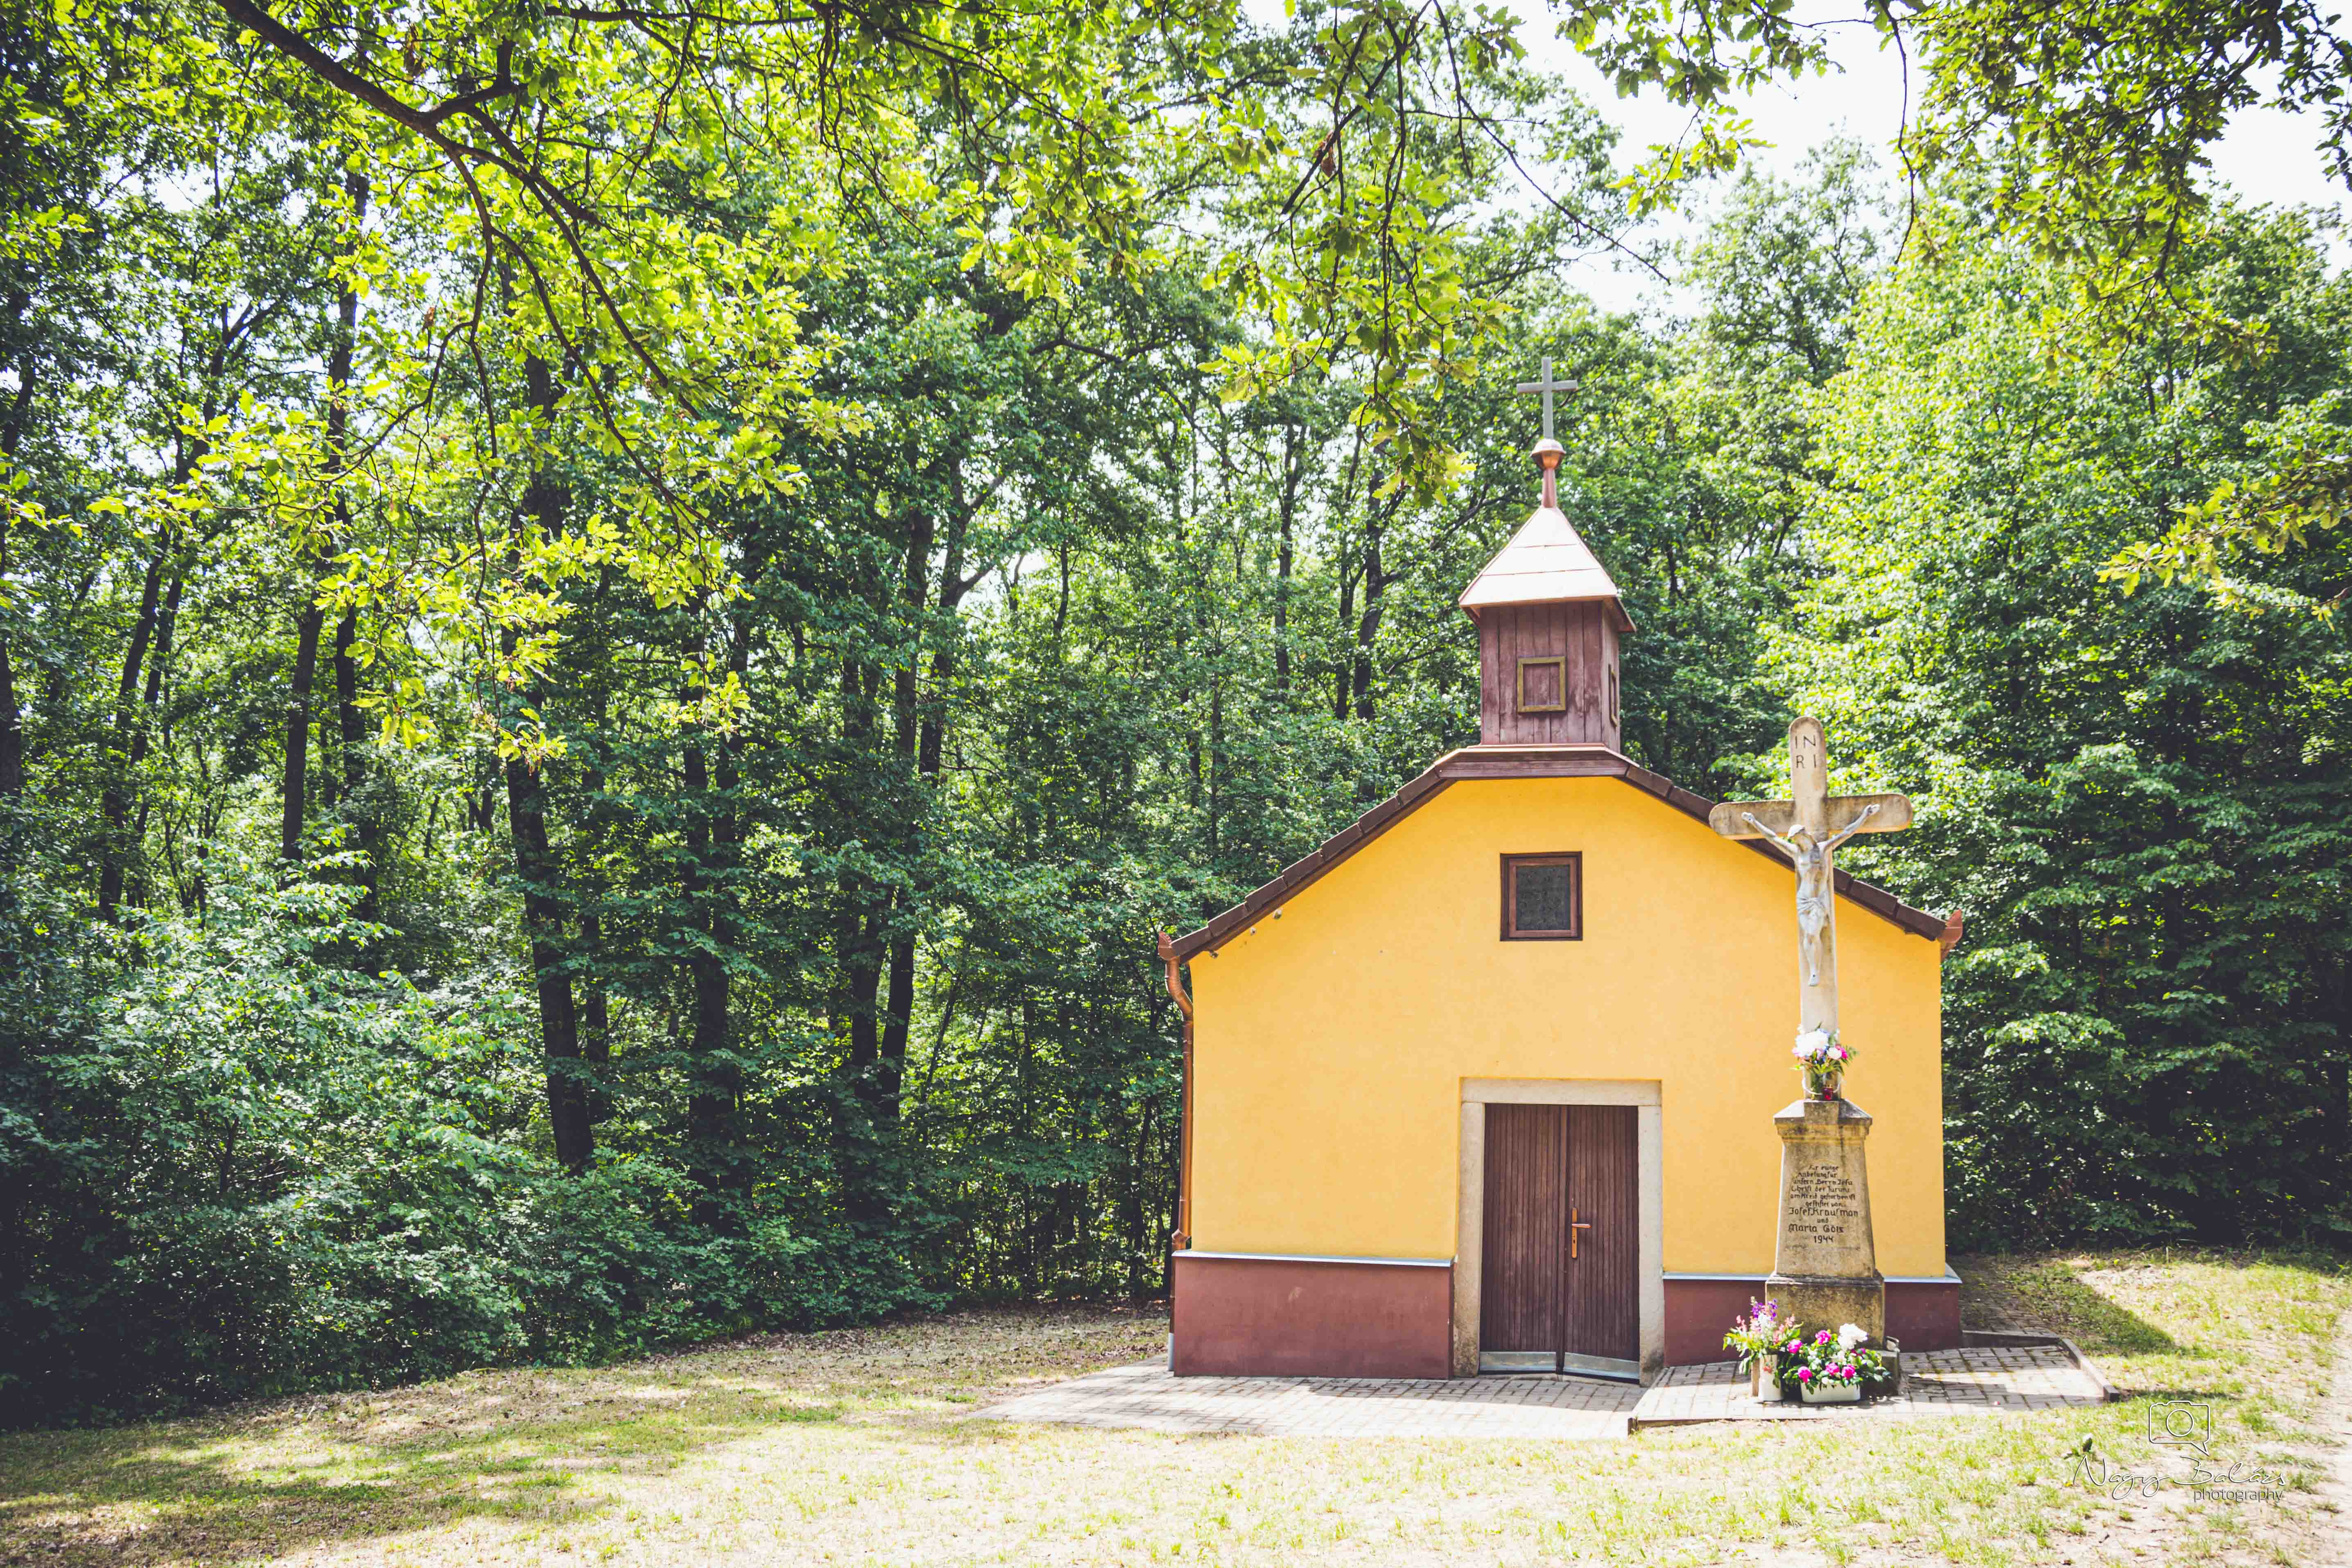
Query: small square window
[1543, 898]
[1543, 686]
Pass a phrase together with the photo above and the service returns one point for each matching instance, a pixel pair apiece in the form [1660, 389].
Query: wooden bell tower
[1549, 621]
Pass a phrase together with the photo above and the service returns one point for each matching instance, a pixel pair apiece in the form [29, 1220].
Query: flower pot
[1831, 1393]
[1825, 1086]
[1764, 1378]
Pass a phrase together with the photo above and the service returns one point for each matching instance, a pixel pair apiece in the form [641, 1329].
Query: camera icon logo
[2181, 1423]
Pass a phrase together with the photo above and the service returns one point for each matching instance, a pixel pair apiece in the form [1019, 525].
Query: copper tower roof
[1546, 562]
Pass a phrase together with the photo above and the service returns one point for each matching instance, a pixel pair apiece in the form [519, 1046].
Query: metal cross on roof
[1546, 386]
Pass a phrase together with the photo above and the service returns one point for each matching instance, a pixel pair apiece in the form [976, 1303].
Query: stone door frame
[1477, 1093]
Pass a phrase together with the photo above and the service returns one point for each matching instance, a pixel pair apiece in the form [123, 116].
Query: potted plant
[1834, 1369]
[1824, 1058]
[1760, 1339]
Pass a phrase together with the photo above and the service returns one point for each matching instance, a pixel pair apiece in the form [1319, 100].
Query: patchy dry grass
[854, 1447]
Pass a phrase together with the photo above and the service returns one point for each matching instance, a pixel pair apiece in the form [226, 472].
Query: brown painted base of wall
[1924, 1314]
[1278, 1316]
[1700, 1311]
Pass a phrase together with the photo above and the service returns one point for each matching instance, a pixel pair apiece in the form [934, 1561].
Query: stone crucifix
[1808, 830]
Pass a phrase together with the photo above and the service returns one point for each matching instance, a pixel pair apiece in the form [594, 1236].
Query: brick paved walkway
[1147, 1397]
[1976, 1380]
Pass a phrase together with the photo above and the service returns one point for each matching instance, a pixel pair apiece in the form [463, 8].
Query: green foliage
[615, 644]
[247, 1169]
[2136, 800]
[2089, 128]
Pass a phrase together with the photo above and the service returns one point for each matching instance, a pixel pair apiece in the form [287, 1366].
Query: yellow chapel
[1486, 1082]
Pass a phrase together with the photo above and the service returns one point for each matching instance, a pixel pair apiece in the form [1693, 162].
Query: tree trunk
[1133, 1205]
[350, 722]
[482, 799]
[559, 1027]
[535, 862]
[1347, 613]
[1294, 469]
[1216, 760]
[158, 663]
[859, 1131]
[114, 799]
[910, 736]
[298, 727]
[143, 733]
[2336, 1073]
[351, 727]
[594, 1002]
[857, 984]
[1368, 625]
[927, 725]
[306, 644]
[711, 1101]
[12, 727]
[595, 1020]
[712, 830]
[12, 722]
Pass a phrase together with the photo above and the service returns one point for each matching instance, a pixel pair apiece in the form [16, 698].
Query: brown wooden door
[1604, 1314]
[1520, 1307]
[1552, 1170]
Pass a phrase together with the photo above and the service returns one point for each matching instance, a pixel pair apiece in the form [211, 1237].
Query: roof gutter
[1182, 1239]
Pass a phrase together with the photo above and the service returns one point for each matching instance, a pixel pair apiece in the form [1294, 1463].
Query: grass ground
[852, 1447]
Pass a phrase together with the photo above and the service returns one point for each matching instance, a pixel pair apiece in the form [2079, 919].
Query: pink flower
[1822, 1337]
[1804, 1374]
[1794, 1348]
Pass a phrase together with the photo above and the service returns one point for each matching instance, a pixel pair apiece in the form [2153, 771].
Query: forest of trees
[617, 631]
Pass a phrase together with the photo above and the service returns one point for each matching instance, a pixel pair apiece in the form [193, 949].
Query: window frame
[1558, 662]
[1571, 858]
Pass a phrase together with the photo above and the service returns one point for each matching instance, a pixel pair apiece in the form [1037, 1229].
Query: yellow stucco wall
[1330, 1045]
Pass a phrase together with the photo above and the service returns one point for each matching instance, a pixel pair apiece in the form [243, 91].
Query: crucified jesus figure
[1815, 887]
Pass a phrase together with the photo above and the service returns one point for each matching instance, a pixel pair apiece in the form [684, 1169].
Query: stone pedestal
[1825, 1269]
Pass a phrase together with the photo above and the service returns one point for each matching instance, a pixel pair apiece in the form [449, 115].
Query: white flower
[1811, 1042]
[1848, 1336]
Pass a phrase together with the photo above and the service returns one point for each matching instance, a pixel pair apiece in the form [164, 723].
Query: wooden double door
[1560, 1270]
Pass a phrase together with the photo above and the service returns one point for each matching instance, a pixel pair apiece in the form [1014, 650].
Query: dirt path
[800, 1450]
[2336, 1492]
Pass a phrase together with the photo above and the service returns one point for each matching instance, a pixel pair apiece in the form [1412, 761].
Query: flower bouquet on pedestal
[1824, 1058]
[1758, 1339]
[1834, 1369]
